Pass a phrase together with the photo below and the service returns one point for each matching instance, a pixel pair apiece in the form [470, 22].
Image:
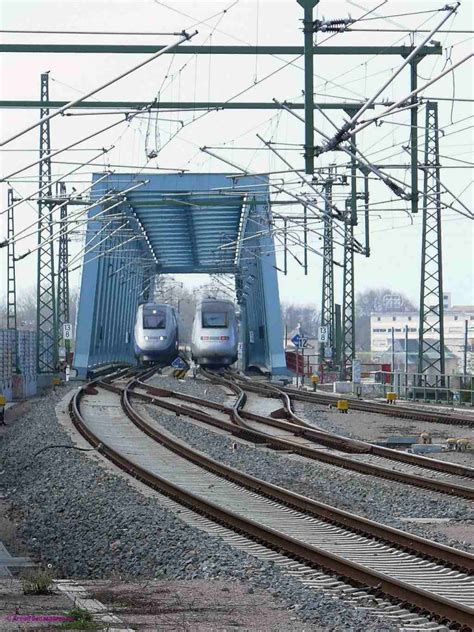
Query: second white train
[215, 333]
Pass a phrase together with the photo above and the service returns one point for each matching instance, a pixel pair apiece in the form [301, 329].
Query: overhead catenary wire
[52, 183]
[59, 151]
[70, 229]
[71, 104]
[16, 236]
[351, 123]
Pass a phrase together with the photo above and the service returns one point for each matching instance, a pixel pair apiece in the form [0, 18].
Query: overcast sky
[395, 234]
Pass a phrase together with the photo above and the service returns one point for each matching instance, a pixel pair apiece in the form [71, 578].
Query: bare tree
[307, 316]
[377, 300]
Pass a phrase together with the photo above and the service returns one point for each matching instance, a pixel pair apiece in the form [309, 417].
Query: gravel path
[91, 524]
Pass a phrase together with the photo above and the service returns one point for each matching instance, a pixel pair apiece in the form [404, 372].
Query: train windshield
[214, 320]
[154, 318]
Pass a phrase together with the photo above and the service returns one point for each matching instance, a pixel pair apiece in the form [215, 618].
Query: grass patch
[37, 581]
[82, 621]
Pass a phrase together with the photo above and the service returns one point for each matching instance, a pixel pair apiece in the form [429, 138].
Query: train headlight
[146, 338]
[162, 337]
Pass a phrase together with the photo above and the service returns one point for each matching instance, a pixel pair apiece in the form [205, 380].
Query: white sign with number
[323, 334]
[67, 331]
[303, 343]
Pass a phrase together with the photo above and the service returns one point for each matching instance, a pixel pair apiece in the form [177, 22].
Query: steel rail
[442, 607]
[414, 459]
[160, 397]
[403, 412]
[338, 441]
[384, 409]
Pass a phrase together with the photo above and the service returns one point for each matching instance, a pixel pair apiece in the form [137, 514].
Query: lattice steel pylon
[63, 272]
[326, 352]
[348, 302]
[46, 324]
[431, 328]
[11, 273]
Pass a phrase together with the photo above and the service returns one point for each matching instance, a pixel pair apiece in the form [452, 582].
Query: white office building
[407, 324]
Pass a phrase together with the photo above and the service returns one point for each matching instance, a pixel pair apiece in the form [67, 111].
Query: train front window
[214, 320]
[154, 319]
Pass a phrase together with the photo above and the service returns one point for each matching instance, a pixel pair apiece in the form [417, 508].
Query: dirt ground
[25, 608]
[195, 606]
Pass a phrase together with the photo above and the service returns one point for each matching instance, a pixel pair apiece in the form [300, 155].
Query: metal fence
[17, 363]
[450, 389]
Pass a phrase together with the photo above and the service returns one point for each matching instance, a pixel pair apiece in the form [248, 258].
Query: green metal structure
[46, 324]
[11, 273]
[327, 349]
[431, 360]
[63, 272]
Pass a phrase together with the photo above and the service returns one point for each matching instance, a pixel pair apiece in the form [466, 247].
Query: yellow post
[3, 401]
[342, 405]
[391, 397]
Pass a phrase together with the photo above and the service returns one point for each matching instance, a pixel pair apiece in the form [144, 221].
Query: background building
[455, 319]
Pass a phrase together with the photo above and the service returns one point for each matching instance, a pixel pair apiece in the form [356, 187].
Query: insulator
[331, 26]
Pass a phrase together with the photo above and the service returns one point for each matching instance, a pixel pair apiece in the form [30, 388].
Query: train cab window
[154, 319]
[214, 320]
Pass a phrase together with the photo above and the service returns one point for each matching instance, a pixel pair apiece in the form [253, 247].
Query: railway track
[433, 578]
[359, 456]
[401, 411]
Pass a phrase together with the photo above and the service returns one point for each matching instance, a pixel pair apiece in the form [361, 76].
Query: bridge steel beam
[108, 300]
[259, 296]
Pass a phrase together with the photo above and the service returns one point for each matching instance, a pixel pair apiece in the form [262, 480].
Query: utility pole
[348, 304]
[308, 28]
[348, 294]
[63, 273]
[46, 324]
[414, 134]
[431, 328]
[11, 278]
[11, 272]
[466, 328]
[326, 352]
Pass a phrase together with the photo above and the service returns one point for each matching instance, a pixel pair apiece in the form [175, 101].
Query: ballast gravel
[89, 523]
[383, 501]
[198, 387]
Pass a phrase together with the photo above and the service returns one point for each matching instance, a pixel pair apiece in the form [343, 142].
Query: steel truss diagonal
[431, 329]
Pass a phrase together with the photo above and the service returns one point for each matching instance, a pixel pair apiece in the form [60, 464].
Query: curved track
[402, 411]
[429, 576]
[359, 456]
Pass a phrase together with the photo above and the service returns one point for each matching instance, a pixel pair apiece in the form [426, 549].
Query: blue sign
[179, 363]
[296, 340]
[299, 341]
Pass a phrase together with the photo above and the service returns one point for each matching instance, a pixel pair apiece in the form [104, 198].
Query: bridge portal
[143, 225]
